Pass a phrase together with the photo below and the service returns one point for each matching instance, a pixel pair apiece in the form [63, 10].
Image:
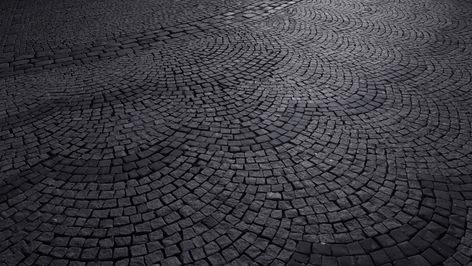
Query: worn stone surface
[305, 132]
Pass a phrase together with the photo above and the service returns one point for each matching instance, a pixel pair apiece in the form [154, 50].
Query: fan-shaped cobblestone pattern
[236, 132]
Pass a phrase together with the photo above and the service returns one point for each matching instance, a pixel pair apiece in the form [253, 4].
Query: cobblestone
[305, 132]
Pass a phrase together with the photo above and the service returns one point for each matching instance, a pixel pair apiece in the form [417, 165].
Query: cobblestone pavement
[319, 132]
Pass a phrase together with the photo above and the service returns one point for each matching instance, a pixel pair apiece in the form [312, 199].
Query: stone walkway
[243, 132]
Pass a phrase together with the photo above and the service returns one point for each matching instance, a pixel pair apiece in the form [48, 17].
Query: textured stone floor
[243, 132]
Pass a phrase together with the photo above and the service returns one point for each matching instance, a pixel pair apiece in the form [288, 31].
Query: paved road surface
[320, 132]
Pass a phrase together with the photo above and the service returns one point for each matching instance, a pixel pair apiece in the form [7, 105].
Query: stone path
[243, 132]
